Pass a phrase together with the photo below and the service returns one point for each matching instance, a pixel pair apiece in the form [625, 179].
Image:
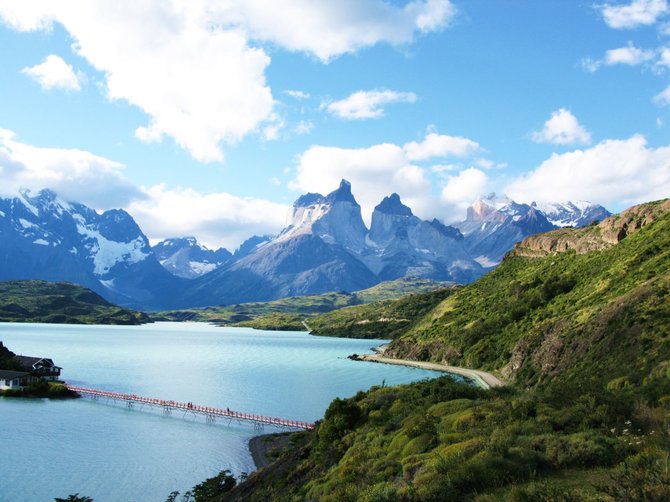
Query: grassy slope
[379, 319]
[585, 336]
[41, 301]
[288, 313]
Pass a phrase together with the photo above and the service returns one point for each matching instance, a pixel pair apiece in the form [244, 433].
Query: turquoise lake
[111, 453]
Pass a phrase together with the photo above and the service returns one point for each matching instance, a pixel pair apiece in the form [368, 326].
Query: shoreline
[260, 446]
[482, 379]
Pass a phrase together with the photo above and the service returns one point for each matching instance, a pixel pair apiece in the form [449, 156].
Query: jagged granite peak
[309, 199]
[342, 194]
[335, 218]
[252, 244]
[186, 257]
[393, 205]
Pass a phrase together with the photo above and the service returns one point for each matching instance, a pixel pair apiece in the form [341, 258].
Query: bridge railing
[207, 410]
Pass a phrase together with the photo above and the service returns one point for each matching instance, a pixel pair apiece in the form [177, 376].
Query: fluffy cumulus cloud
[629, 55]
[440, 145]
[54, 73]
[367, 104]
[328, 29]
[633, 14]
[216, 219]
[663, 98]
[194, 67]
[379, 170]
[464, 188]
[199, 84]
[613, 172]
[74, 174]
[562, 128]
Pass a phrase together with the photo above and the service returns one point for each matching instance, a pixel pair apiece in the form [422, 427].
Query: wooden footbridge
[210, 414]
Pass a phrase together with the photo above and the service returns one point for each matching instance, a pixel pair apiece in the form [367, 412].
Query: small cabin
[41, 367]
[15, 379]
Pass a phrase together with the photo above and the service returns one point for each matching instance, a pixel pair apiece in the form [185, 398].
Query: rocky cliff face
[402, 244]
[335, 218]
[592, 238]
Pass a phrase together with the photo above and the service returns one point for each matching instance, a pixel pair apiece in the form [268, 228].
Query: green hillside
[61, 303]
[289, 313]
[379, 319]
[579, 323]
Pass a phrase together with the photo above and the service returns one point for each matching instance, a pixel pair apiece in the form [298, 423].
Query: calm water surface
[55, 448]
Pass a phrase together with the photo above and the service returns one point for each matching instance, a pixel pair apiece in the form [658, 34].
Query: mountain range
[325, 246]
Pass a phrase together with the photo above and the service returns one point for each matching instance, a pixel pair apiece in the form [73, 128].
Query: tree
[74, 498]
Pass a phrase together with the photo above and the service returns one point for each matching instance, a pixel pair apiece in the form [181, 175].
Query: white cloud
[303, 127]
[367, 104]
[440, 145]
[663, 98]
[664, 57]
[637, 13]
[379, 170]
[562, 128]
[54, 73]
[274, 126]
[465, 187]
[191, 65]
[374, 173]
[297, 94]
[590, 65]
[630, 55]
[199, 84]
[216, 219]
[329, 29]
[612, 172]
[74, 174]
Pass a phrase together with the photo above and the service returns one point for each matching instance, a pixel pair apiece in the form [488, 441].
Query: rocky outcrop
[595, 237]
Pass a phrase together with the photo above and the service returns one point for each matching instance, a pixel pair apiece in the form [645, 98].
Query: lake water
[111, 453]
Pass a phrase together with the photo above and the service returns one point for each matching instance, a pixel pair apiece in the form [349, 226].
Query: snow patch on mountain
[573, 213]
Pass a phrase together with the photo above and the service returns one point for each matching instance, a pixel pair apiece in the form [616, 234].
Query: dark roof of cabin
[28, 362]
[10, 375]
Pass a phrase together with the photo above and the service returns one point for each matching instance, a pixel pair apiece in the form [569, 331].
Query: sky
[208, 118]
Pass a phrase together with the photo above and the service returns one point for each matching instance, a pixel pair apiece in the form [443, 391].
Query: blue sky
[209, 118]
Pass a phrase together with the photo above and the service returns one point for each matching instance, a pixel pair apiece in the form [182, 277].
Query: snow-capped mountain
[494, 224]
[573, 214]
[186, 257]
[46, 237]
